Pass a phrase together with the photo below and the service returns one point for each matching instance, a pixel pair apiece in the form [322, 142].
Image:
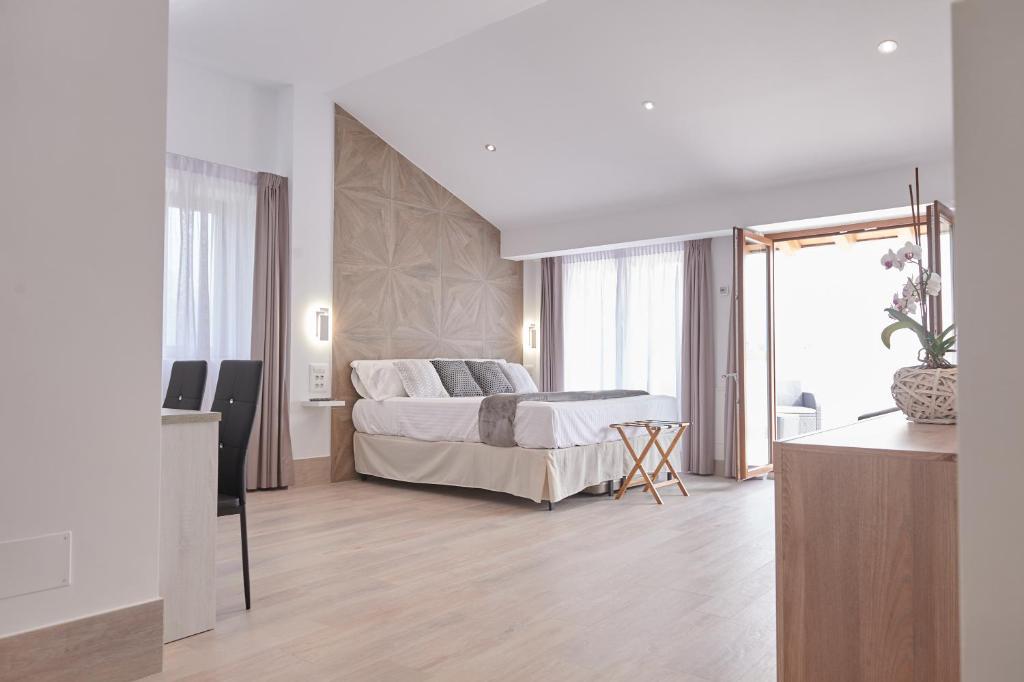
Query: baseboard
[311, 471]
[116, 646]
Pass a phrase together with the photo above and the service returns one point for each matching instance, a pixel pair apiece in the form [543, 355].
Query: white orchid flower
[904, 304]
[909, 252]
[914, 298]
[909, 291]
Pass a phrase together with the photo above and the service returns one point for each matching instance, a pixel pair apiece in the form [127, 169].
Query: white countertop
[170, 416]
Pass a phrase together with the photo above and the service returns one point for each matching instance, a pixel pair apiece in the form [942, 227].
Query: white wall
[713, 215]
[531, 314]
[312, 195]
[287, 130]
[988, 58]
[82, 178]
[215, 117]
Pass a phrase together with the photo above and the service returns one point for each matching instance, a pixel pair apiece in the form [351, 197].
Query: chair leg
[245, 558]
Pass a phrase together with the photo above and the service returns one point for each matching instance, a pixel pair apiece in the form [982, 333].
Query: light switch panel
[319, 386]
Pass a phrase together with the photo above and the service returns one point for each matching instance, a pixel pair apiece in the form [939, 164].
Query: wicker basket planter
[927, 396]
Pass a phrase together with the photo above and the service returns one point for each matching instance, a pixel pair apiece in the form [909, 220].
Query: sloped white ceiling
[321, 42]
[749, 94]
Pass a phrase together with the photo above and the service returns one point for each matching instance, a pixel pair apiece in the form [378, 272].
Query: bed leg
[363, 477]
[551, 506]
[611, 487]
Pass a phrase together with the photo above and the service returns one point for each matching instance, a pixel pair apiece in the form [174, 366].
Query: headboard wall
[417, 273]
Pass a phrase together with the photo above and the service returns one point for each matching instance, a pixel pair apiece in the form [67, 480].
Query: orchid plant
[918, 293]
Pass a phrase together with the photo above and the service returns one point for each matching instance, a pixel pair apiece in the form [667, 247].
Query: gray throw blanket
[498, 412]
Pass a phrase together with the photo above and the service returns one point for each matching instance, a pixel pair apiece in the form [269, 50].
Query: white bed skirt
[536, 474]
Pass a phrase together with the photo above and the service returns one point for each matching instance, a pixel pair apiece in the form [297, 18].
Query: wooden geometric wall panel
[417, 273]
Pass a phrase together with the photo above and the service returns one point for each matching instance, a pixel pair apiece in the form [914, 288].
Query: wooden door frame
[851, 228]
[931, 226]
[937, 211]
[740, 237]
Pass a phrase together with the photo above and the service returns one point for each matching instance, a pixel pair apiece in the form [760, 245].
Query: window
[622, 312]
[209, 251]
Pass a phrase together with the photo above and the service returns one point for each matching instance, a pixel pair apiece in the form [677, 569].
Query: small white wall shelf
[323, 403]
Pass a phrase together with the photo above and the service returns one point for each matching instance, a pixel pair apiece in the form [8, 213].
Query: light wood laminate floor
[385, 581]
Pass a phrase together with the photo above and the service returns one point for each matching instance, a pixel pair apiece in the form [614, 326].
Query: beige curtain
[552, 352]
[269, 462]
[698, 362]
[731, 414]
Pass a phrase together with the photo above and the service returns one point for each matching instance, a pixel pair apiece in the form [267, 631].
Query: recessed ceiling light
[888, 46]
[490, 148]
[648, 105]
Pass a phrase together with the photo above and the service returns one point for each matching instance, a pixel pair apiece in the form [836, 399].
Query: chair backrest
[808, 400]
[187, 385]
[236, 397]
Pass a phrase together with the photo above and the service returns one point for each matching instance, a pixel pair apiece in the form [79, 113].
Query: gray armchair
[796, 411]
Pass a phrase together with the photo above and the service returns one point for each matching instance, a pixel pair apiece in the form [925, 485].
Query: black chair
[236, 396]
[187, 385]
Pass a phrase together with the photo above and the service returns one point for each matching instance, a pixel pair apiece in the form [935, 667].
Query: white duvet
[538, 424]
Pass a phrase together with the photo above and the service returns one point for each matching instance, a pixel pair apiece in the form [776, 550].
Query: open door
[752, 286]
[759, 419]
[941, 220]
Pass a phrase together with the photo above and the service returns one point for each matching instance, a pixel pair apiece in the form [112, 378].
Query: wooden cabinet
[866, 553]
[188, 521]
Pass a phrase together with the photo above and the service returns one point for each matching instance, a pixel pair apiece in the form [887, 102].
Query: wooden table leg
[651, 486]
[638, 466]
[665, 461]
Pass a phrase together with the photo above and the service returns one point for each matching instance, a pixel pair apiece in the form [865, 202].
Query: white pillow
[380, 380]
[519, 377]
[420, 379]
[358, 385]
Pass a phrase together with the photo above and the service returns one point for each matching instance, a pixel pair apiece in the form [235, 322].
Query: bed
[561, 448]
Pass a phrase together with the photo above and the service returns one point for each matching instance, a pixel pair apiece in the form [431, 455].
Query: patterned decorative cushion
[456, 378]
[420, 379]
[489, 377]
[519, 377]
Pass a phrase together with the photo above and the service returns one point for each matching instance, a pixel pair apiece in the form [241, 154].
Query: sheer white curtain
[623, 319]
[209, 250]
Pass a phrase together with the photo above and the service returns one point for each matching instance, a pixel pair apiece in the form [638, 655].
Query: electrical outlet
[319, 387]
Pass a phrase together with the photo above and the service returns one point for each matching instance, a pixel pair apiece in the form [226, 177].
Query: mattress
[537, 425]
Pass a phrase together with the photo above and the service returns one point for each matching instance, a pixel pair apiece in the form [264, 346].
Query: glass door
[753, 281]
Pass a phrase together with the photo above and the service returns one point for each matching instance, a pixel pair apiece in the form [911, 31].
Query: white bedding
[538, 424]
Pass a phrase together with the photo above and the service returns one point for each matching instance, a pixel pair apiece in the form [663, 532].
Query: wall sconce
[323, 324]
[533, 336]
